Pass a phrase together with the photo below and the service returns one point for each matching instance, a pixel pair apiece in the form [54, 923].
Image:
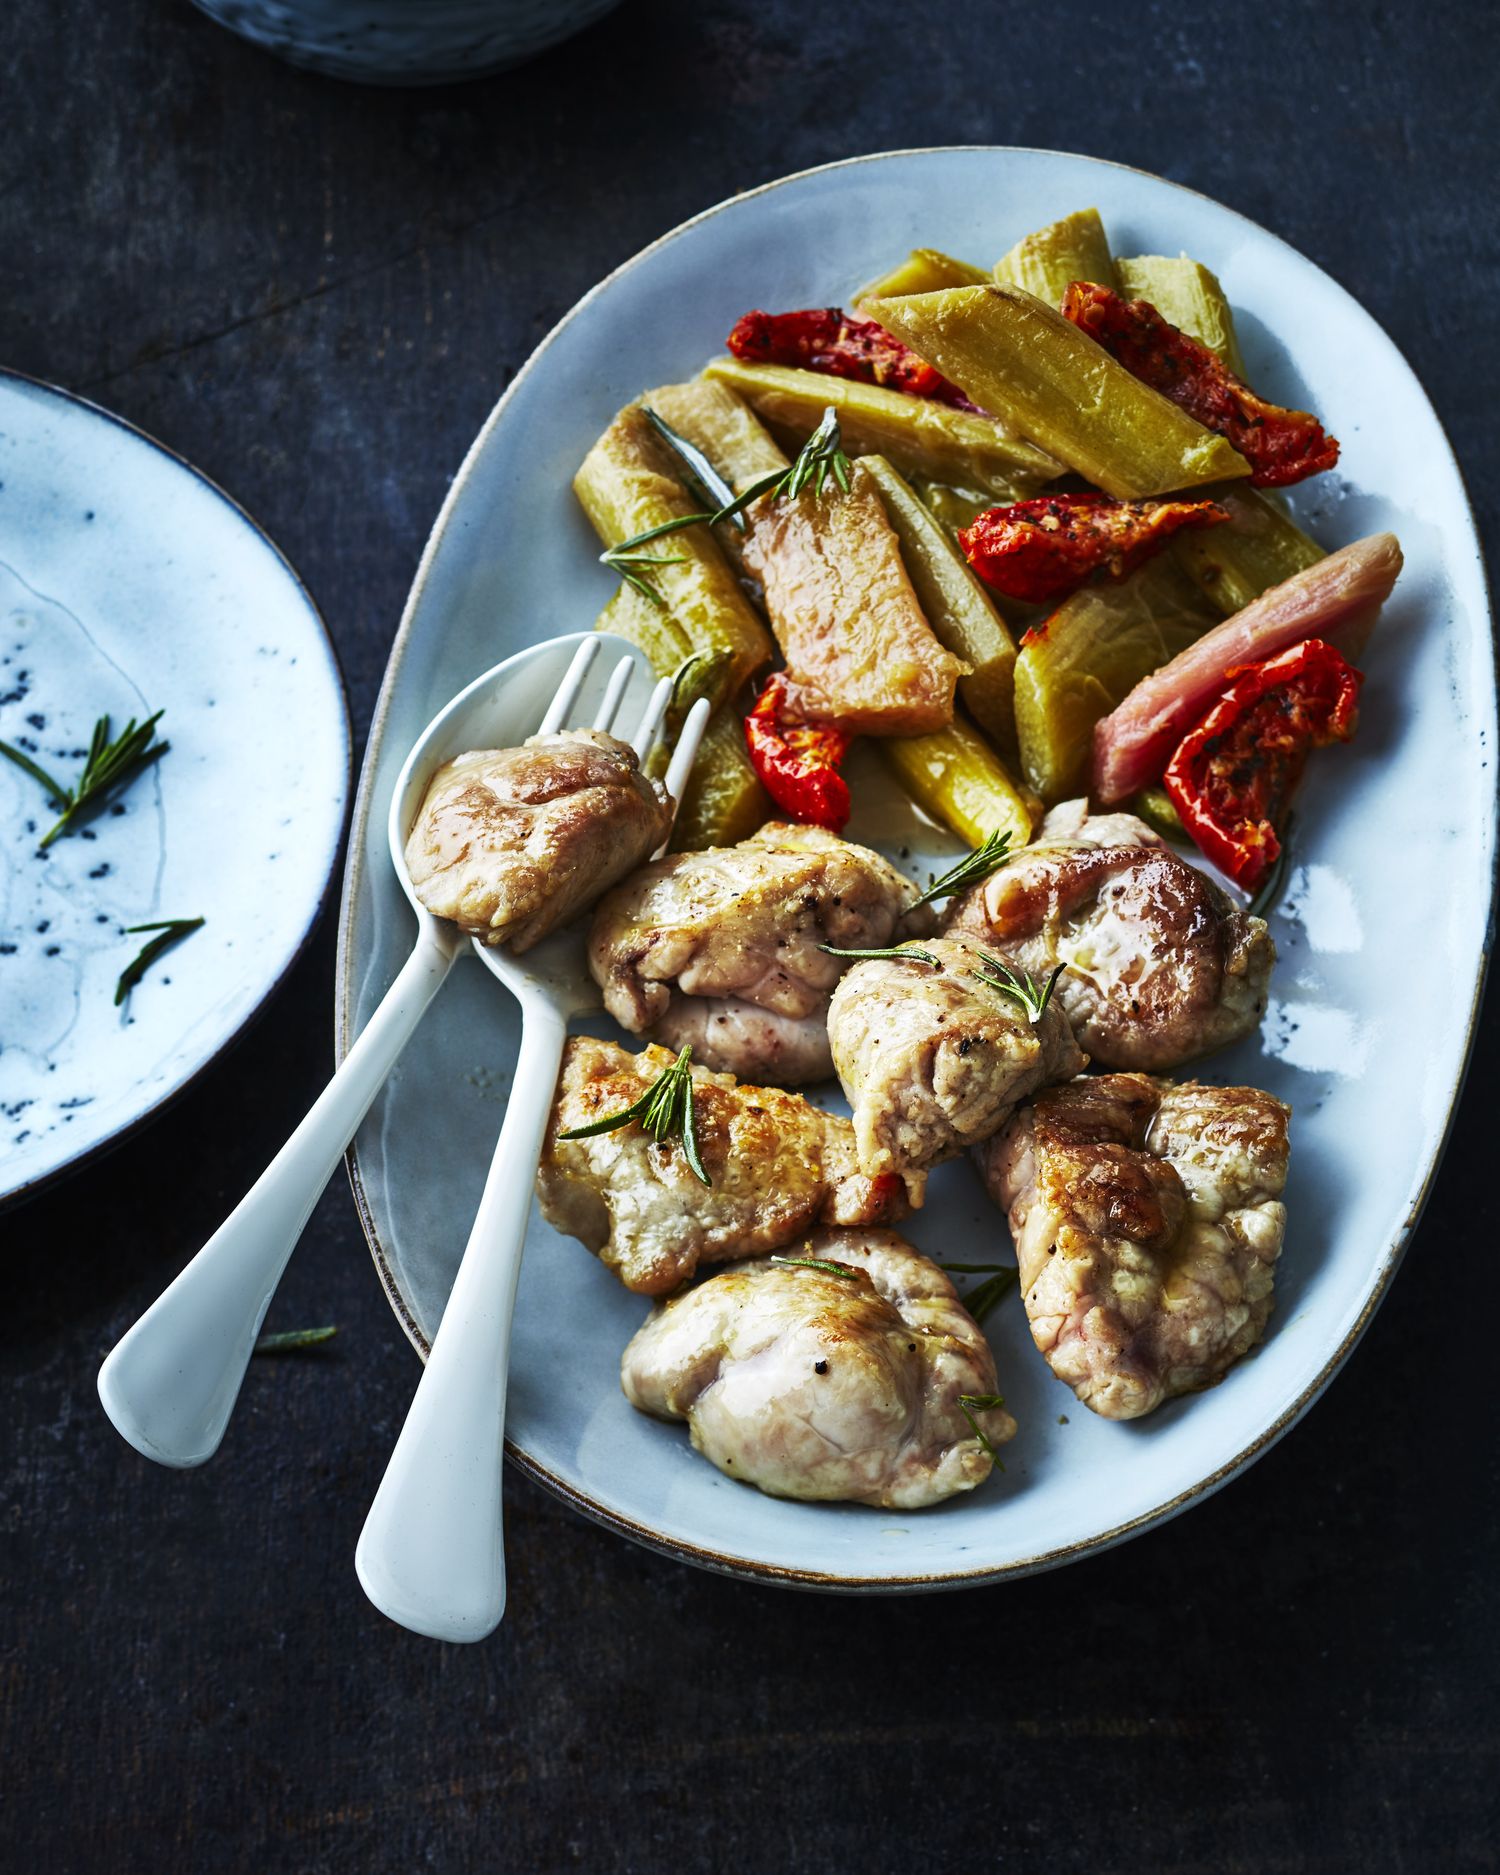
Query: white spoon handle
[171, 1382]
[430, 1555]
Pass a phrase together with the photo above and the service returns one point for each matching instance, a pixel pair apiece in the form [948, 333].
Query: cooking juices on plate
[1015, 529]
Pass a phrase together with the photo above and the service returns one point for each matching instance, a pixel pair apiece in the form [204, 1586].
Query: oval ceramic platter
[130, 584]
[1381, 963]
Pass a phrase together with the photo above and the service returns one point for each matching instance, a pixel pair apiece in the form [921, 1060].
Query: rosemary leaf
[907, 953]
[972, 1403]
[56, 795]
[816, 1263]
[981, 1300]
[698, 465]
[292, 1340]
[1019, 985]
[169, 931]
[107, 768]
[979, 864]
[820, 456]
[665, 1111]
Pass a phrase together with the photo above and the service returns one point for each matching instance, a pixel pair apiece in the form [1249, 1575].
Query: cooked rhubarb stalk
[1084, 659]
[1280, 445]
[1336, 600]
[1043, 549]
[1024, 362]
[1186, 293]
[859, 652]
[1048, 262]
[1259, 546]
[956, 606]
[826, 340]
[629, 484]
[922, 438]
[924, 270]
[957, 778]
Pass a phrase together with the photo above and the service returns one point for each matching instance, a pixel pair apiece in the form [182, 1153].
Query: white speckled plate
[128, 584]
[1369, 1050]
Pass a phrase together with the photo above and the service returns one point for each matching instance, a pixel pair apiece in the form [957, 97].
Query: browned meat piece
[1147, 1221]
[734, 1037]
[745, 921]
[812, 1385]
[934, 1060]
[1162, 966]
[777, 1166]
[511, 843]
[859, 651]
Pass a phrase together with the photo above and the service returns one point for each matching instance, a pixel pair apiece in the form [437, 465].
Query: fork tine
[649, 727]
[683, 757]
[686, 752]
[609, 708]
[567, 691]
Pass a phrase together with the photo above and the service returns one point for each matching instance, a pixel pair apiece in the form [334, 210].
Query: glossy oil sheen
[1381, 934]
[129, 584]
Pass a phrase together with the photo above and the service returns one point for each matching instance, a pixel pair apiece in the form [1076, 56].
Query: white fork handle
[431, 1554]
[171, 1382]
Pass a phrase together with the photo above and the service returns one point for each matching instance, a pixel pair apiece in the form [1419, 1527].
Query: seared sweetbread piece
[827, 1384]
[1160, 965]
[1147, 1220]
[776, 1167]
[742, 925]
[935, 1057]
[512, 843]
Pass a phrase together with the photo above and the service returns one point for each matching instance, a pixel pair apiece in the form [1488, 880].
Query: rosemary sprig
[293, 1340]
[1275, 879]
[973, 1403]
[817, 1263]
[108, 767]
[907, 953]
[697, 464]
[665, 1110]
[820, 456]
[1020, 985]
[981, 1300]
[625, 557]
[169, 931]
[979, 864]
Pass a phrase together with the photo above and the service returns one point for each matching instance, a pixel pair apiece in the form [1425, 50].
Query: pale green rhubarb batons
[1014, 356]
[1047, 262]
[1258, 546]
[924, 270]
[1086, 657]
[921, 437]
[1189, 297]
[629, 483]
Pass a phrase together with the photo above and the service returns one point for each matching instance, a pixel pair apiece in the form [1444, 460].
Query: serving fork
[170, 1383]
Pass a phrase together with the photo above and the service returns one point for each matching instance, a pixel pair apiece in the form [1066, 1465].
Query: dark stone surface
[315, 293]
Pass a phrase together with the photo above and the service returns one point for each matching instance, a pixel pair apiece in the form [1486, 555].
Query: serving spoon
[170, 1383]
